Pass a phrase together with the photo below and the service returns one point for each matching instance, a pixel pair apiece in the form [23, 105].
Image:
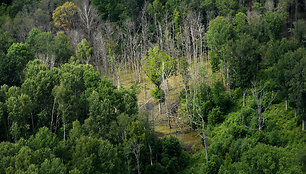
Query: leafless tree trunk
[258, 92]
[204, 138]
[151, 162]
[89, 19]
[165, 78]
[201, 130]
[159, 107]
[99, 54]
[136, 147]
[64, 131]
[143, 44]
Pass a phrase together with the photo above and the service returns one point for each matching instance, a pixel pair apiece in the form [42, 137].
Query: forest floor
[190, 140]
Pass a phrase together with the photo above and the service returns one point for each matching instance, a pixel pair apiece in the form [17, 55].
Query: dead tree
[165, 78]
[200, 124]
[88, 19]
[259, 95]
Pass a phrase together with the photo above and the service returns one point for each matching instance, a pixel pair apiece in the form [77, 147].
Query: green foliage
[109, 9]
[31, 36]
[19, 109]
[215, 116]
[269, 159]
[240, 22]
[55, 165]
[44, 138]
[213, 102]
[46, 46]
[5, 41]
[276, 49]
[258, 7]
[283, 72]
[155, 8]
[104, 133]
[43, 43]
[244, 60]
[63, 48]
[158, 64]
[172, 155]
[220, 31]
[213, 8]
[274, 22]
[12, 64]
[298, 80]
[91, 78]
[227, 7]
[91, 155]
[299, 32]
[240, 146]
[158, 94]
[84, 51]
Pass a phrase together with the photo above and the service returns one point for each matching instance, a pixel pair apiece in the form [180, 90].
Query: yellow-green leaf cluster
[63, 15]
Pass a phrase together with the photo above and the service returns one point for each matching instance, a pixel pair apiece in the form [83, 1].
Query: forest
[152, 86]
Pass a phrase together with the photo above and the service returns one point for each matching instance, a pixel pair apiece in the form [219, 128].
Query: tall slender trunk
[138, 166]
[52, 114]
[136, 152]
[57, 122]
[186, 96]
[244, 94]
[64, 131]
[228, 79]
[204, 139]
[260, 123]
[128, 163]
[193, 108]
[139, 72]
[151, 161]
[145, 93]
[118, 76]
[166, 103]
[165, 88]
[260, 119]
[286, 104]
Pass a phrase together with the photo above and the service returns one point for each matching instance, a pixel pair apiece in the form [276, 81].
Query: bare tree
[259, 95]
[23, 23]
[132, 48]
[88, 19]
[42, 20]
[99, 53]
[200, 125]
[165, 78]
[112, 35]
[143, 44]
